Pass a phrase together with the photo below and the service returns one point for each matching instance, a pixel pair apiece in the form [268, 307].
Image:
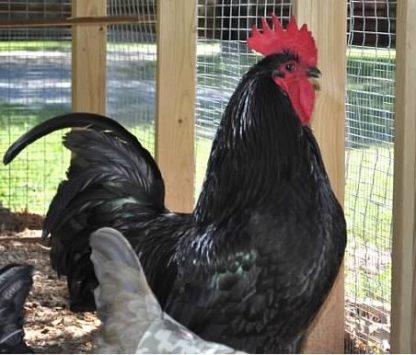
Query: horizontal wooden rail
[71, 21]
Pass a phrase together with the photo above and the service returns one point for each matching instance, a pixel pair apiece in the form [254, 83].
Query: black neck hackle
[257, 143]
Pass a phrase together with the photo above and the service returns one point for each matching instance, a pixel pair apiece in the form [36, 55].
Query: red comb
[294, 40]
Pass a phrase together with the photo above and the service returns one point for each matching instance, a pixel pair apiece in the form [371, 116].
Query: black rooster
[252, 264]
[15, 284]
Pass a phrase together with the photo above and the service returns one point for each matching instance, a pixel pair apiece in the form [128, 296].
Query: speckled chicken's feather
[124, 301]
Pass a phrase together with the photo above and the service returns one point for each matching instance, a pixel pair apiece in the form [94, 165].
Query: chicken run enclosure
[166, 69]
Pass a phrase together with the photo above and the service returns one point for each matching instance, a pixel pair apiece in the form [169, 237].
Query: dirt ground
[49, 325]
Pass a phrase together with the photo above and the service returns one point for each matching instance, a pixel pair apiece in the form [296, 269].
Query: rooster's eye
[290, 67]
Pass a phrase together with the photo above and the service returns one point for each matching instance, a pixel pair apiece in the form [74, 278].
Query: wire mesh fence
[131, 68]
[34, 10]
[35, 84]
[222, 59]
[35, 71]
[369, 173]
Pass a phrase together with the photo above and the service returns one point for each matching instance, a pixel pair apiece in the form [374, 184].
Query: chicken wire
[35, 71]
[222, 59]
[369, 173]
[35, 84]
[131, 68]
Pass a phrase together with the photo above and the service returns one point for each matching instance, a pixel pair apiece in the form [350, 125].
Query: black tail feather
[111, 180]
[81, 120]
[70, 120]
[114, 158]
[103, 161]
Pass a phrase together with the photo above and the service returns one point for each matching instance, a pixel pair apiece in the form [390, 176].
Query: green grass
[6, 46]
[30, 181]
[369, 189]
[35, 45]
[368, 210]
[202, 152]
[360, 53]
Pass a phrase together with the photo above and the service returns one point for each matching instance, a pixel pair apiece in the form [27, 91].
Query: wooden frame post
[328, 22]
[89, 58]
[403, 312]
[175, 118]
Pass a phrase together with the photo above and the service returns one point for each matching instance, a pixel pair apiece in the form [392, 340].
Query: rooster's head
[296, 57]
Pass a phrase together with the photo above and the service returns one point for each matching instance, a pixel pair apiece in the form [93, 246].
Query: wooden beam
[89, 58]
[70, 21]
[403, 312]
[328, 22]
[175, 121]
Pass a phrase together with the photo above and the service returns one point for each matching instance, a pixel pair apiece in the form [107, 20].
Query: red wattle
[302, 95]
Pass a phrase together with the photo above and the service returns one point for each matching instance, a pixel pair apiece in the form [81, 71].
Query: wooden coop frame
[175, 122]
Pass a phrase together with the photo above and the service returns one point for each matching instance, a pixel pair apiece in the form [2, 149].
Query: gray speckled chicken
[133, 321]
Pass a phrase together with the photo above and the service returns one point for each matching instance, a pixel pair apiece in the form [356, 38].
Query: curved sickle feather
[76, 119]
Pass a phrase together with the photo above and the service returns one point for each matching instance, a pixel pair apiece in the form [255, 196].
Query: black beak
[313, 72]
